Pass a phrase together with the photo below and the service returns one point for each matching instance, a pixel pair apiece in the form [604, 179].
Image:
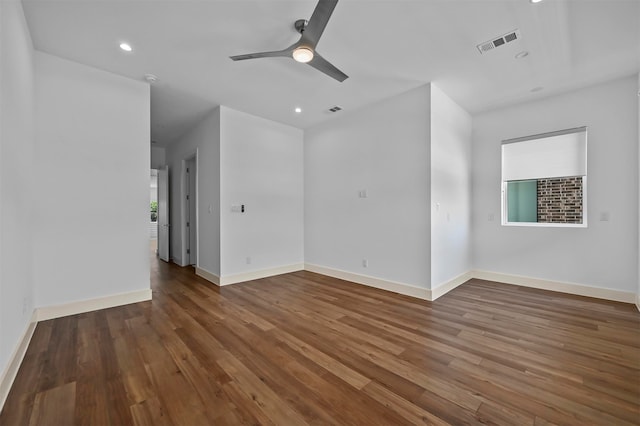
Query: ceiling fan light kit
[302, 54]
[304, 50]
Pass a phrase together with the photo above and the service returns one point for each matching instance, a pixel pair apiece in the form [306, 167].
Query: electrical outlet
[365, 263]
[248, 260]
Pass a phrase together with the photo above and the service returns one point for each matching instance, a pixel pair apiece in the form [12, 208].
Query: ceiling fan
[304, 50]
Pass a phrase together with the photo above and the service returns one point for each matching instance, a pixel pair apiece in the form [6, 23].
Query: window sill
[546, 225]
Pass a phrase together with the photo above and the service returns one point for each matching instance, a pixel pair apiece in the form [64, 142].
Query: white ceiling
[386, 47]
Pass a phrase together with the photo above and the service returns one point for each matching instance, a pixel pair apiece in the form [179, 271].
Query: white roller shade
[556, 154]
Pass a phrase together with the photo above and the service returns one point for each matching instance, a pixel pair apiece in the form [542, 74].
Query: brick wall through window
[560, 200]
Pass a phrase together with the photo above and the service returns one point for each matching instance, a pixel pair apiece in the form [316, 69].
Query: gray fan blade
[321, 64]
[286, 52]
[318, 22]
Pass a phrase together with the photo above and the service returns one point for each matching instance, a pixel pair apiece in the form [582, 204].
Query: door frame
[164, 215]
[184, 209]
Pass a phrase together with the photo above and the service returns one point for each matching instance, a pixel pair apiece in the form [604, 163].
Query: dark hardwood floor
[302, 348]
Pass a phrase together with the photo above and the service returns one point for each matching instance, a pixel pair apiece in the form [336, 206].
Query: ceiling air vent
[335, 108]
[499, 41]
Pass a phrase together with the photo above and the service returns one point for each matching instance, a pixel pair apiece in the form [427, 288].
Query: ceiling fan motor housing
[300, 25]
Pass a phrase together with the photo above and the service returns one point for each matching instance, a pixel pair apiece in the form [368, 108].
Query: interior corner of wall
[209, 276]
[447, 286]
[10, 371]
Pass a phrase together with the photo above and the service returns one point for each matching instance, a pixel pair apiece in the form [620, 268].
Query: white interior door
[163, 213]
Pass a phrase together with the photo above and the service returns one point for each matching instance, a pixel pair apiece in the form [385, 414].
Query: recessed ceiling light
[537, 89]
[535, 1]
[298, 110]
[126, 47]
[522, 54]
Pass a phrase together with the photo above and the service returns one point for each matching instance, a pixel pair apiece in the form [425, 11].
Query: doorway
[163, 213]
[153, 211]
[191, 210]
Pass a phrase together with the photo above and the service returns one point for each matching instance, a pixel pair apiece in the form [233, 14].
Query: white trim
[57, 311]
[263, 273]
[445, 288]
[11, 370]
[558, 286]
[396, 287]
[548, 224]
[51, 312]
[247, 276]
[209, 276]
[184, 189]
[433, 294]
[584, 224]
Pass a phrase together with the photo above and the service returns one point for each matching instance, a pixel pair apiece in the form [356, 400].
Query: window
[544, 179]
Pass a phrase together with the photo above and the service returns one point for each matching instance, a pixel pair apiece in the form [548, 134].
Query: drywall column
[367, 185]
[17, 139]
[450, 192]
[261, 167]
[92, 168]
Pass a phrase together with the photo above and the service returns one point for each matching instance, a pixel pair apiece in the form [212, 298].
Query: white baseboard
[11, 370]
[262, 273]
[209, 276]
[247, 276]
[396, 287]
[561, 287]
[433, 294]
[50, 312]
[445, 288]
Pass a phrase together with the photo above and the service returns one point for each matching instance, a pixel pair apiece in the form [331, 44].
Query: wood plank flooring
[302, 349]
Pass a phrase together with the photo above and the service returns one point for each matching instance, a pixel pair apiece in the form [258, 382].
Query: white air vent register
[499, 41]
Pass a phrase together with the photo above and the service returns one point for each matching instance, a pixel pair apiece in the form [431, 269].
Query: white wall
[158, 157]
[450, 189]
[383, 149]
[204, 139]
[638, 167]
[92, 132]
[17, 139]
[261, 166]
[603, 255]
